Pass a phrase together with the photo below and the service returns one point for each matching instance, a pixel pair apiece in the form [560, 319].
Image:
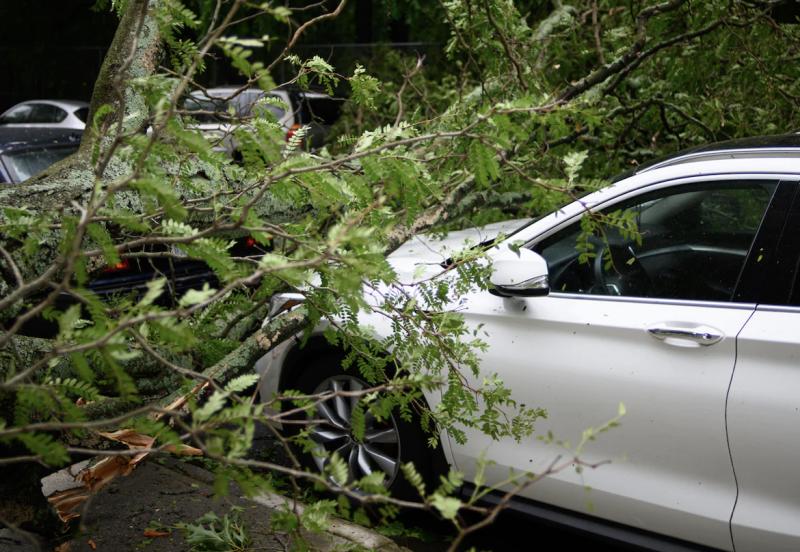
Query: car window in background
[34, 113]
[208, 110]
[17, 115]
[21, 165]
[82, 114]
[243, 103]
[46, 113]
[262, 108]
[694, 242]
[219, 110]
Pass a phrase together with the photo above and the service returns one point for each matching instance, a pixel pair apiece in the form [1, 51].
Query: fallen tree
[147, 185]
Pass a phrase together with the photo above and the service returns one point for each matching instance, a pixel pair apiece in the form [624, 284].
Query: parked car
[218, 110]
[47, 113]
[694, 329]
[129, 278]
[27, 151]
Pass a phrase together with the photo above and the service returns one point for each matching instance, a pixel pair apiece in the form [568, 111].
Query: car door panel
[764, 431]
[579, 357]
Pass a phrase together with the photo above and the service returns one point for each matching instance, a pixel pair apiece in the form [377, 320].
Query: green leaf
[197, 296]
[413, 477]
[45, 446]
[337, 468]
[364, 88]
[154, 290]
[573, 162]
[245, 42]
[483, 163]
[77, 388]
[213, 405]
[239, 384]
[81, 367]
[281, 13]
[357, 421]
[447, 505]
[99, 234]
[315, 516]
[162, 193]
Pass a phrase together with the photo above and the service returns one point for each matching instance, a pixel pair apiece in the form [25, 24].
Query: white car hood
[421, 256]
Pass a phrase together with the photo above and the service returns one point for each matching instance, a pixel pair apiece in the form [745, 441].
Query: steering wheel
[626, 275]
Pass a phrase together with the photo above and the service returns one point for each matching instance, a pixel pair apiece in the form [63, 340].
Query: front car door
[649, 323]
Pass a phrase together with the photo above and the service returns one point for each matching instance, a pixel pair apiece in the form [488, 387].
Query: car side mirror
[519, 276]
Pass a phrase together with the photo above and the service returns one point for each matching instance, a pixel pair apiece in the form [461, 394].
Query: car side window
[244, 103]
[45, 113]
[685, 242]
[82, 114]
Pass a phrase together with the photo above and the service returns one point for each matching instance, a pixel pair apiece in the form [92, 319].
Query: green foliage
[414, 478]
[78, 389]
[337, 469]
[45, 448]
[447, 506]
[211, 533]
[364, 88]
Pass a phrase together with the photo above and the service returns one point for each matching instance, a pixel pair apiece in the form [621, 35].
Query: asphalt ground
[145, 511]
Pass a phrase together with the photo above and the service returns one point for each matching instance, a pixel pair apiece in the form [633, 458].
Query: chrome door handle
[702, 335]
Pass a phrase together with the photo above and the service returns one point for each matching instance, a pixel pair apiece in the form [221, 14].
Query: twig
[509, 52]
[406, 79]
[597, 31]
[302, 28]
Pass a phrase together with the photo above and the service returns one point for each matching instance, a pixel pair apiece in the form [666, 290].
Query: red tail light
[291, 131]
[124, 264]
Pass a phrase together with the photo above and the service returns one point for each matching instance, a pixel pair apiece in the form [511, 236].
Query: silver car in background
[218, 111]
[66, 114]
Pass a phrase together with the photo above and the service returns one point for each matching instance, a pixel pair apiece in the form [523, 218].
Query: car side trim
[778, 308]
[653, 301]
[589, 525]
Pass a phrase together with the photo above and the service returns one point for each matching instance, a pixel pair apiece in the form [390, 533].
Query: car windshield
[209, 110]
[22, 165]
[19, 114]
[217, 110]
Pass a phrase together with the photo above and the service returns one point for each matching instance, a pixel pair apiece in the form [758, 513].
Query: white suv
[696, 329]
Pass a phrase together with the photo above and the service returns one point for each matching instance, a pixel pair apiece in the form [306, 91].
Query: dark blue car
[25, 152]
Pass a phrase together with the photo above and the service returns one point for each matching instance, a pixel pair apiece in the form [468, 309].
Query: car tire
[387, 444]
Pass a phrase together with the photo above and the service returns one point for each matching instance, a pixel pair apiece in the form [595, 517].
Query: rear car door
[763, 413]
[655, 331]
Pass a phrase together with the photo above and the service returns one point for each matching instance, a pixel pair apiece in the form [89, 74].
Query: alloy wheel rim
[379, 450]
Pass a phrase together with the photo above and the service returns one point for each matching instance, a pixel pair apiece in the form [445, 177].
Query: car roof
[763, 158]
[216, 92]
[17, 138]
[64, 104]
[228, 90]
[779, 145]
